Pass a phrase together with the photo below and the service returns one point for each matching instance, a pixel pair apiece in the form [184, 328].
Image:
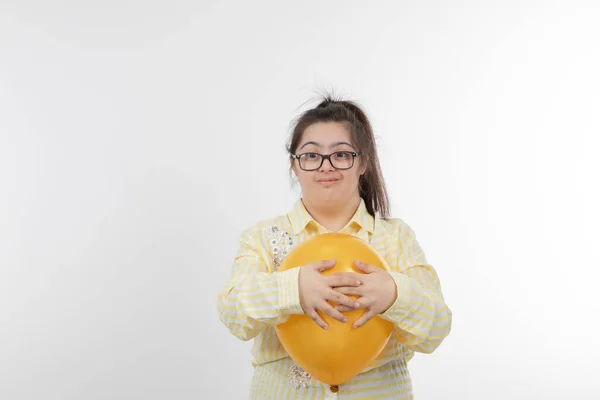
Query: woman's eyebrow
[340, 144]
[330, 146]
[307, 143]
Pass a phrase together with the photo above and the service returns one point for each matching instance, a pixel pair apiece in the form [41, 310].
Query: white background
[139, 138]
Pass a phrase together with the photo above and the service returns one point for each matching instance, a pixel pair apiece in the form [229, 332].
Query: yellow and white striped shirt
[257, 297]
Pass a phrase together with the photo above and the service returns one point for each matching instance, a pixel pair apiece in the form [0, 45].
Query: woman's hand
[377, 291]
[315, 289]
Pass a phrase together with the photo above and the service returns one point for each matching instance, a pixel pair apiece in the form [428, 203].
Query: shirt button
[334, 388]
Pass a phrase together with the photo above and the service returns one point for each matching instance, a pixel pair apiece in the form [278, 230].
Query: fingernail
[345, 320]
[357, 283]
[356, 305]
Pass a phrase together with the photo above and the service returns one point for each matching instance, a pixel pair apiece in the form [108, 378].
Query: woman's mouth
[327, 182]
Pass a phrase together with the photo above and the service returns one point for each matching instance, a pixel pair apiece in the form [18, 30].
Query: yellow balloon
[335, 355]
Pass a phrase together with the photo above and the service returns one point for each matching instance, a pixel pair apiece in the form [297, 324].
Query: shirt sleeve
[254, 298]
[419, 313]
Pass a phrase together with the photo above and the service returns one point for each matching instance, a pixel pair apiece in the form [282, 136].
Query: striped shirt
[257, 297]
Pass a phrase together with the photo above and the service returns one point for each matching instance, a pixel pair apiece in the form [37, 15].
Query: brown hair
[371, 184]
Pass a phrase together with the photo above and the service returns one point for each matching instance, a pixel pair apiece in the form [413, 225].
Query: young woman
[333, 155]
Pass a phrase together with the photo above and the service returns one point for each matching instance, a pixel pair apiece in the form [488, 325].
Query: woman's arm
[253, 298]
[419, 313]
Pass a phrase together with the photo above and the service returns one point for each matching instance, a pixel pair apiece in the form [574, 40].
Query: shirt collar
[300, 218]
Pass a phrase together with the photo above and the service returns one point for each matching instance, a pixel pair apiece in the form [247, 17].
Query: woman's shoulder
[271, 238]
[396, 227]
[265, 228]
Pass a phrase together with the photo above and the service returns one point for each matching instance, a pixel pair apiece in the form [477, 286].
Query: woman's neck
[332, 217]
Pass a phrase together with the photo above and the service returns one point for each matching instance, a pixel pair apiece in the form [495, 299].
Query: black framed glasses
[338, 160]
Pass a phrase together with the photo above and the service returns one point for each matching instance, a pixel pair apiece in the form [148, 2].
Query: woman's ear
[363, 168]
[293, 167]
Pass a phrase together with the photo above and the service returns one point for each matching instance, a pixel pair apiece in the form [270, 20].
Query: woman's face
[328, 185]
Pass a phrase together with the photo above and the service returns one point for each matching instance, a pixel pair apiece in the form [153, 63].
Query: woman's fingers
[333, 313]
[339, 298]
[343, 308]
[363, 319]
[349, 290]
[360, 303]
[317, 318]
[324, 265]
[342, 280]
[366, 268]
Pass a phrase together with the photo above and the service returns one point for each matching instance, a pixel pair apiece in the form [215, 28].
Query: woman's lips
[327, 182]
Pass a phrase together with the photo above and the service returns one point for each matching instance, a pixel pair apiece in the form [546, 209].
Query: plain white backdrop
[139, 138]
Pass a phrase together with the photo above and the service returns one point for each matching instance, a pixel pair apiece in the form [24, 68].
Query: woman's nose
[327, 165]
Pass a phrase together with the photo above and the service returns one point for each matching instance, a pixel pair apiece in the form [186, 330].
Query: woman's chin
[330, 196]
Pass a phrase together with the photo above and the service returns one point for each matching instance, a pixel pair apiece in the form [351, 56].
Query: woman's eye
[341, 154]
